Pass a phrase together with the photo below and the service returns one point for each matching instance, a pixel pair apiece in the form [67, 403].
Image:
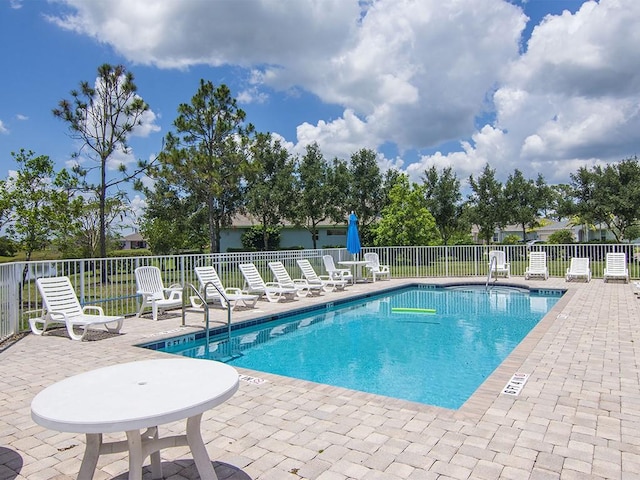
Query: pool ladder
[492, 264]
[190, 287]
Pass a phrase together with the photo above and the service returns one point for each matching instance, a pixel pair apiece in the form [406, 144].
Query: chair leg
[142, 305]
[73, 334]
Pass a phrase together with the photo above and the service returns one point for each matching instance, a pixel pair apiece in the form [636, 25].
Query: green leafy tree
[406, 221]
[39, 200]
[171, 222]
[486, 204]
[610, 195]
[366, 195]
[339, 180]
[561, 202]
[314, 193]
[270, 184]
[102, 118]
[524, 200]
[444, 201]
[5, 204]
[206, 157]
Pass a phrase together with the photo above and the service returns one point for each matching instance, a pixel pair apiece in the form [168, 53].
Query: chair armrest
[174, 287]
[234, 291]
[52, 314]
[174, 291]
[93, 307]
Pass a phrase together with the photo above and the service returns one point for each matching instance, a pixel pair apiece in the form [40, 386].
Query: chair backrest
[499, 256]
[280, 272]
[207, 275]
[328, 263]
[537, 260]
[307, 270]
[58, 295]
[373, 259]
[579, 265]
[149, 281]
[252, 276]
[616, 263]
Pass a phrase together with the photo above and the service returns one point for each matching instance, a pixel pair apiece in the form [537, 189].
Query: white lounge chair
[501, 267]
[209, 280]
[375, 268]
[61, 306]
[579, 268]
[154, 294]
[283, 279]
[336, 273]
[616, 267]
[537, 266]
[255, 284]
[313, 278]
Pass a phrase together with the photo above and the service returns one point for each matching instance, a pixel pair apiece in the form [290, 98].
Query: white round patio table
[129, 397]
[357, 275]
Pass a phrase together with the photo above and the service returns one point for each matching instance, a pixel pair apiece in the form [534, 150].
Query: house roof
[246, 221]
[133, 237]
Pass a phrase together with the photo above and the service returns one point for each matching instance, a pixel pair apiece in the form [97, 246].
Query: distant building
[581, 233]
[329, 234]
[133, 241]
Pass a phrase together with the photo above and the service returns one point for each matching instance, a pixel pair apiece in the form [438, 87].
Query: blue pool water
[436, 358]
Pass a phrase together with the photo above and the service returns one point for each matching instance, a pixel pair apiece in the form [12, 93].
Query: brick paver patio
[577, 417]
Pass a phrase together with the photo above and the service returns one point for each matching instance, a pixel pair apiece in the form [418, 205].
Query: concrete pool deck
[578, 416]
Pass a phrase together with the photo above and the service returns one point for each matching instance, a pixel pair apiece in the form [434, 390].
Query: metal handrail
[205, 306]
[493, 263]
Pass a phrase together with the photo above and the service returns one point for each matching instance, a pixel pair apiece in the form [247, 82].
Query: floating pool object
[412, 310]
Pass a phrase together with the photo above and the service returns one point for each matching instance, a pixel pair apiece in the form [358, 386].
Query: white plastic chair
[616, 267]
[313, 278]
[61, 306]
[283, 279]
[537, 266]
[374, 266]
[336, 273]
[207, 276]
[579, 268]
[501, 267]
[154, 294]
[255, 284]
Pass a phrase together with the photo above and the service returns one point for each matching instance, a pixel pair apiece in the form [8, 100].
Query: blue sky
[544, 86]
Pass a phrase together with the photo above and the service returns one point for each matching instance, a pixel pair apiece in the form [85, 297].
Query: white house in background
[133, 241]
[329, 235]
[581, 233]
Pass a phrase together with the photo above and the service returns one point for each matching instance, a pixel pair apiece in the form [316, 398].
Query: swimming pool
[438, 356]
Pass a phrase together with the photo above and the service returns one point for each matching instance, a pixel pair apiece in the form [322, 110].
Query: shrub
[8, 247]
[561, 237]
[252, 239]
[511, 240]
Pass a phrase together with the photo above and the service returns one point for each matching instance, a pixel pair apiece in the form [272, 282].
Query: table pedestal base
[143, 445]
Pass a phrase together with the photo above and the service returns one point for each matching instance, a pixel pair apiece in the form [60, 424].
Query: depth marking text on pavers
[516, 384]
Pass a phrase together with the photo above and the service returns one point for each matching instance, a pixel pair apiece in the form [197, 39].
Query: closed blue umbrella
[353, 237]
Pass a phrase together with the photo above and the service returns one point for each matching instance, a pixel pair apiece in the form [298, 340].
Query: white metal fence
[111, 284]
